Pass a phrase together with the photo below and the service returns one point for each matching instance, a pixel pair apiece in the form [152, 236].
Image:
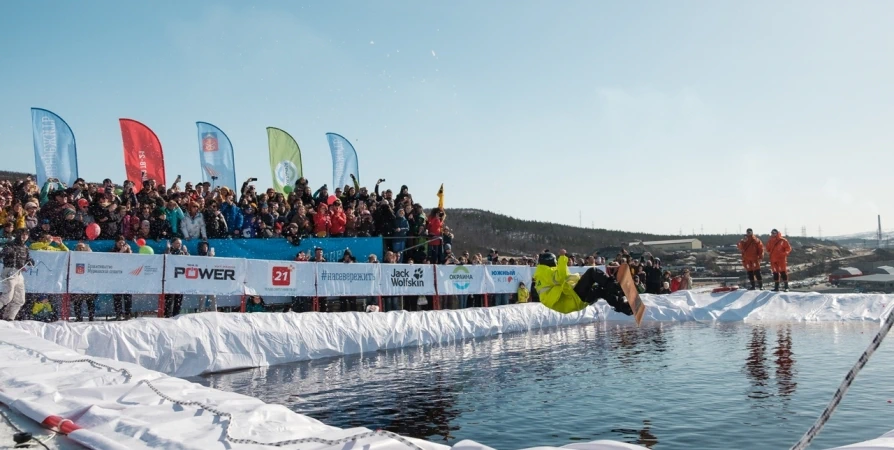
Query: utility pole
[879, 231]
[580, 219]
[821, 232]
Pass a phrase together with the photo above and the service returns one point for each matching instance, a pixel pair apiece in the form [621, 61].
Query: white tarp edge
[116, 411]
[212, 342]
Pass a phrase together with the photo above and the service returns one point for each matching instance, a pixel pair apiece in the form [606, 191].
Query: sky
[660, 117]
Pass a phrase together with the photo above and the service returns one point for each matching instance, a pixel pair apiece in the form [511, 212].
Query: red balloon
[92, 231]
[331, 200]
[141, 242]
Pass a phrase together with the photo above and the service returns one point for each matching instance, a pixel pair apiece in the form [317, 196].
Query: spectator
[206, 302]
[522, 293]
[640, 287]
[322, 221]
[686, 280]
[433, 228]
[43, 310]
[665, 288]
[78, 300]
[49, 242]
[255, 304]
[337, 220]
[70, 228]
[173, 302]
[193, 224]
[123, 303]
[653, 278]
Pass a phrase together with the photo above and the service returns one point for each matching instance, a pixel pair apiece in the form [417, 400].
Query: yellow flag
[441, 197]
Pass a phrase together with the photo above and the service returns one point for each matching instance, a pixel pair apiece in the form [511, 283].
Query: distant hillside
[478, 231]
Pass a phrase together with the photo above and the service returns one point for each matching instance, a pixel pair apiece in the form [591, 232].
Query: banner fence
[139, 275]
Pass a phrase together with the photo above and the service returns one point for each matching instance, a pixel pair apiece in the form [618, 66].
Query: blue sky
[648, 116]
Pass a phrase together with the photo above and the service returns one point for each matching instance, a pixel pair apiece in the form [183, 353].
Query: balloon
[146, 250]
[287, 189]
[92, 231]
[331, 200]
[141, 242]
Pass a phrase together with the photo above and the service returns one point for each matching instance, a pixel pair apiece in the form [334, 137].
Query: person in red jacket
[337, 220]
[752, 250]
[779, 249]
[322, 221]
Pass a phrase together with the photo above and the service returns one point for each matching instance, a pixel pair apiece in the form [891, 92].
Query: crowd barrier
[69, 273]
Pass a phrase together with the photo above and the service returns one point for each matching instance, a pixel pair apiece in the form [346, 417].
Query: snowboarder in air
[569, 292]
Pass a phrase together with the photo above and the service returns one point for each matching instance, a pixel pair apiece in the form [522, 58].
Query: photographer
[15, 258]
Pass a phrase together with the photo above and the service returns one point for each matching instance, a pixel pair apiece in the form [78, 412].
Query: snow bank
[212, 342]
[111, 409]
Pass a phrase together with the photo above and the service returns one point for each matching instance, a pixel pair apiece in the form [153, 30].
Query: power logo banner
[204, 275]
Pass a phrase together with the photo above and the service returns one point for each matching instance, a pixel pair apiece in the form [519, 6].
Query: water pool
[663, 386]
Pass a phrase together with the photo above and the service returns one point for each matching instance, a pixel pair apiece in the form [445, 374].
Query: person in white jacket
[193, 224]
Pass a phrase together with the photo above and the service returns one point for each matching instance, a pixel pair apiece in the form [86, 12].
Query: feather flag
[441, 197]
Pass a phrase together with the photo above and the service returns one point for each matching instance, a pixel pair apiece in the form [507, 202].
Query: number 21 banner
[281, 278]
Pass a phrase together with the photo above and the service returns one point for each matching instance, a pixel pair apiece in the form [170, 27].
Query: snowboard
[636, 303]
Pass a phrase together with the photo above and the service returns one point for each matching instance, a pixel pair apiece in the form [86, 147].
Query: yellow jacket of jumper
[556, 287]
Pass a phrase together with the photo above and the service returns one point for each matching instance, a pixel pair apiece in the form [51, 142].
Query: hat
[263, 205]
[448, 246]
[59, 192]
[68, 211]
[83, 202]
[45, 221]
[30, 205]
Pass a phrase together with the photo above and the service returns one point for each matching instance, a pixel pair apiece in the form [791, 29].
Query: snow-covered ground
[121, 405]
[195, 344]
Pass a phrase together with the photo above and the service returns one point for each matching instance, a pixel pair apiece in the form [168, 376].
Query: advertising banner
[272, 278]
[115, 273]
[48, 274]
[341, 279]
[505, 279]
[204, 275]
[460, 280]
[406, 279]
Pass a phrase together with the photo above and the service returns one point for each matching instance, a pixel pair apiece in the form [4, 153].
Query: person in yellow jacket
[522, 293]
[43, 310]
[566, 292]
[49, 243]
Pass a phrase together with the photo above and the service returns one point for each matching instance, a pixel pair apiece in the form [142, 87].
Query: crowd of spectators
[55, 212]
[201, 211]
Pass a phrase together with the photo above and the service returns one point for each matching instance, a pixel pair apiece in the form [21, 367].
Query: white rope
[845, 385]
[128, 376]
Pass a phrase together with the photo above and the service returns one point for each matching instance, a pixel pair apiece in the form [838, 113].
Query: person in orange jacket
[779, 249]
[752, 250]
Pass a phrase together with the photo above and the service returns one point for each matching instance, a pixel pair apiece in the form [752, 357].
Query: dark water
[663, 386]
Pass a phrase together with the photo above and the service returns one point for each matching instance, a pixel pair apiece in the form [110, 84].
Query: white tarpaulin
[115, 273]
[460, 280]
[337, 279]
[505, 279]
[406, 279]
[280, 278]
[204, 275]
[49, 273]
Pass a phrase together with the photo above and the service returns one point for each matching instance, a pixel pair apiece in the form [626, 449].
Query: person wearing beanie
[752, 250]
[779, 249]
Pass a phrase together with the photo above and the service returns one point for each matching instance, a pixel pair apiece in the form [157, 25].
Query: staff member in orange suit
[752, 250]
[779, 249]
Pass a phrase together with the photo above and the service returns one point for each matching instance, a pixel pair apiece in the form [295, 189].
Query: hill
[478, 231]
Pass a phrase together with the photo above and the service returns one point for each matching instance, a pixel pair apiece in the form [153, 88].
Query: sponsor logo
[503, 276]
[461, 278]
[403, 278]
[281, 276]
[349, 277]
[201, 273]
[286, 173]
[80, 269]
[97, 269]
[209, 142]
[137, 271]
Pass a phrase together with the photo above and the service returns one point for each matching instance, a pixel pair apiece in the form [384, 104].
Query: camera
[381, 180]
[252, 179]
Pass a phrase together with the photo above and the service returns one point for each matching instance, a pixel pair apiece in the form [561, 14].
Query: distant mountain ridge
[477, 230]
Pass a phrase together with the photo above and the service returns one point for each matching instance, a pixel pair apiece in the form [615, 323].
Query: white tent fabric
[212, 342]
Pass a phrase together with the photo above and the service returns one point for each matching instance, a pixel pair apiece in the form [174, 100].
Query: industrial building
[870, 283]
[670, 246]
